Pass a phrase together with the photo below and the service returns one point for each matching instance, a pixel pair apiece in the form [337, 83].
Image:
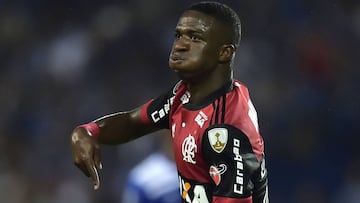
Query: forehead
[195, 20]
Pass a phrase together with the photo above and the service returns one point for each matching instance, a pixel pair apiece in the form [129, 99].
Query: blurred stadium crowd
[63, 63]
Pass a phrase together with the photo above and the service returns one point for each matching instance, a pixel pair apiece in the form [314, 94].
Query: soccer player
[218, 150]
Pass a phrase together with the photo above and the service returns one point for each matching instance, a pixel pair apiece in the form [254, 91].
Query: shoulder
[238, 103]
[241, 88]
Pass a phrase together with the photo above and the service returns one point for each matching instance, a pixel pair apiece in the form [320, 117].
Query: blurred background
[64, 63]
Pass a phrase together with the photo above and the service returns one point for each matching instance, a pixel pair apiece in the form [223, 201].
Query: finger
[93, 174]
[97, 159]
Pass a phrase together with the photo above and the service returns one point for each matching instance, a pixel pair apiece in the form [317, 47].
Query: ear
[227, 53]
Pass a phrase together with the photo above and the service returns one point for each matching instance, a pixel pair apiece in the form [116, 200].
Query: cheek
[208, 56]
[202, 53]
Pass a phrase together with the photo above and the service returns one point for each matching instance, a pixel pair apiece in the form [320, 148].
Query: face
[195, 50]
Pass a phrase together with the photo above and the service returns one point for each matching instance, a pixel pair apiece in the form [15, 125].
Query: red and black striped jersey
[218, 149]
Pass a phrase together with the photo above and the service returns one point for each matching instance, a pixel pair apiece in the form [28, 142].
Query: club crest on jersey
[216, 172]
[218, 137]
[189, 149]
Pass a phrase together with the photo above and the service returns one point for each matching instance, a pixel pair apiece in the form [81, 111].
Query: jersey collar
[227, 87]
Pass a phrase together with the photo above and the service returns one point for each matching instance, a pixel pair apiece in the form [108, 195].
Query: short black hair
[223, 13]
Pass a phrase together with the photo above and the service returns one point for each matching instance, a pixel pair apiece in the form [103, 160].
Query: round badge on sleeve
[218, 138]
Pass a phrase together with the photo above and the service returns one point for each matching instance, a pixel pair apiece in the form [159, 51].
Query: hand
[86, 154]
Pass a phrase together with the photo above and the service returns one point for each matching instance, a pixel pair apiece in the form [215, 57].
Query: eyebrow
[191, 30]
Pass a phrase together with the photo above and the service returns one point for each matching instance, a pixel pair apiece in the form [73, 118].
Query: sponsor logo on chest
[198, 191]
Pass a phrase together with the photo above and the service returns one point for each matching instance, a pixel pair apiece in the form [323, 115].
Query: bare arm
[122, 127]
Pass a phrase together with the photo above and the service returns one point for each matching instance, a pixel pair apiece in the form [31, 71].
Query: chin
[177, 68]
[175, 65]
[186, 77]
[177, 71]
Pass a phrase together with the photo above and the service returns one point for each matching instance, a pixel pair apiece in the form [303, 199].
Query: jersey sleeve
[237, 173]
[156, 111]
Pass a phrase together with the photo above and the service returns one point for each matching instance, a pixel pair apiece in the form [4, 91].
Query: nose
[181, 44]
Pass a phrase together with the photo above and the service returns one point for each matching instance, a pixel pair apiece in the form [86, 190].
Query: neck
[200, 89]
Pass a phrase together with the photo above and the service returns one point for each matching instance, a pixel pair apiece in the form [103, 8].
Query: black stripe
[212, 116]
[217, 111]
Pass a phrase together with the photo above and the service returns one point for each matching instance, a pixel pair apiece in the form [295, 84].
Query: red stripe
[231, 200]
[92, 128]
[143, 113]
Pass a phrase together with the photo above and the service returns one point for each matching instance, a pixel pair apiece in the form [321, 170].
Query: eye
[177, 35]
[195, 38]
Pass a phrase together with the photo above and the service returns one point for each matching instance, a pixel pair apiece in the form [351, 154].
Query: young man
[218, 149]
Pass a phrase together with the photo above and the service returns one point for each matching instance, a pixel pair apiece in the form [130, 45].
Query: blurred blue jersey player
[154, 180]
